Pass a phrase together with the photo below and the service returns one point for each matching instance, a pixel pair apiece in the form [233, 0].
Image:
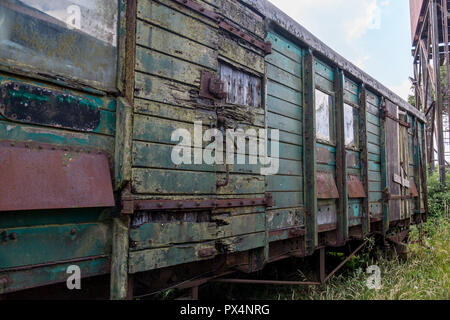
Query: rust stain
[413, 189]
[355, 187]
[323, 155]
[326, 186]
[39, 177]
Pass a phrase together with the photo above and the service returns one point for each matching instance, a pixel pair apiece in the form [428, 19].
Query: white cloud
[360, 62]
[403, 89]
[351, 18]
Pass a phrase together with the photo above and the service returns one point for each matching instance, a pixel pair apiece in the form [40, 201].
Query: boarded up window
[242, 88]
[324, 117]
[351, 118]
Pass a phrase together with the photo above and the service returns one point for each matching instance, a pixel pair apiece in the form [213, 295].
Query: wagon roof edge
[275, 15]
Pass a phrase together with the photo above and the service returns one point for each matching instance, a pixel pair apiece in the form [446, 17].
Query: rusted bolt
[180, 204]
[14, 116]
[197, 204]
[13, 236]
[160, 205]
[28, 118]
[73, 231]
[133, 244]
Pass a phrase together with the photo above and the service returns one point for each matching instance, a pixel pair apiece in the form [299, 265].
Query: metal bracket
[130, 204]
[211, 87]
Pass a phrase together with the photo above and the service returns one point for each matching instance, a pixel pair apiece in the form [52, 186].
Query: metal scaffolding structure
[430, 30]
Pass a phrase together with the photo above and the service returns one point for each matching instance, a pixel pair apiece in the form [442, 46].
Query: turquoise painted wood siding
[285, 113]
[374, 144]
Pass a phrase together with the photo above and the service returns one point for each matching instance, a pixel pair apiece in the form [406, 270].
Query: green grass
[423, 276]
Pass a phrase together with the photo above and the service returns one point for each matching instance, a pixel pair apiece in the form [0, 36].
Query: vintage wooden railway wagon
[91, 96]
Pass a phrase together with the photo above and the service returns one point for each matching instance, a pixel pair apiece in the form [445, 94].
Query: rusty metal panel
[326, 186]
[39, 177]
[355, 187]
[413, 189]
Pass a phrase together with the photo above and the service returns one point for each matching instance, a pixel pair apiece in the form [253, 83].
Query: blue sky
[373, 34]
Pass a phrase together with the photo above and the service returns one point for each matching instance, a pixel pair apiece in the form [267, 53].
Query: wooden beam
[363, 145]
[341, 159]
[309, 134]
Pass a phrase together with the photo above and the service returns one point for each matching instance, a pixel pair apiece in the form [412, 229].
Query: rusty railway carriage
[90, 93]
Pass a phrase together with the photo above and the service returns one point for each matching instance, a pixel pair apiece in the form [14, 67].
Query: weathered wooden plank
[243, 17]
[375, 196]
[153, 129]
[285, 108]
[42, 244]
[284, 93]
[311, 237]
[324, 70]
[152, 155]
[177, 22]
[284, 63]
[374, 157]
[119, 258]
[324, 83]
[350, 97]
[284, 183]
[291, 168]
[285, 47]
[230, 49]
[374, 176]
[373, 129]
[372, 138]
[374, 148]
[241, 184]
[285, 218]
[172, 44]
[153, 181]
[287, 199]
[373, 119]
[151, 259]
[276, 121]
[341, 160]
[123, 144]
[22, 132]
[162, 90]
[156, 63]
[156, 235]
[290, 138]
[375, 186]
[287, 79]
[288, 151]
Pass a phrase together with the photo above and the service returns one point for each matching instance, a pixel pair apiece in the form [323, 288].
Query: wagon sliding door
[398, 167]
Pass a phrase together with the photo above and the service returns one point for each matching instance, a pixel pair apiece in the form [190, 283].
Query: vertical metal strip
[363, 145]
[341, 159]
[309, 112]
[384, 167]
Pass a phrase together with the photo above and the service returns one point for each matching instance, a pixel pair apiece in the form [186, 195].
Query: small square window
[324, 117]
[351, 126]
[241, 88]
